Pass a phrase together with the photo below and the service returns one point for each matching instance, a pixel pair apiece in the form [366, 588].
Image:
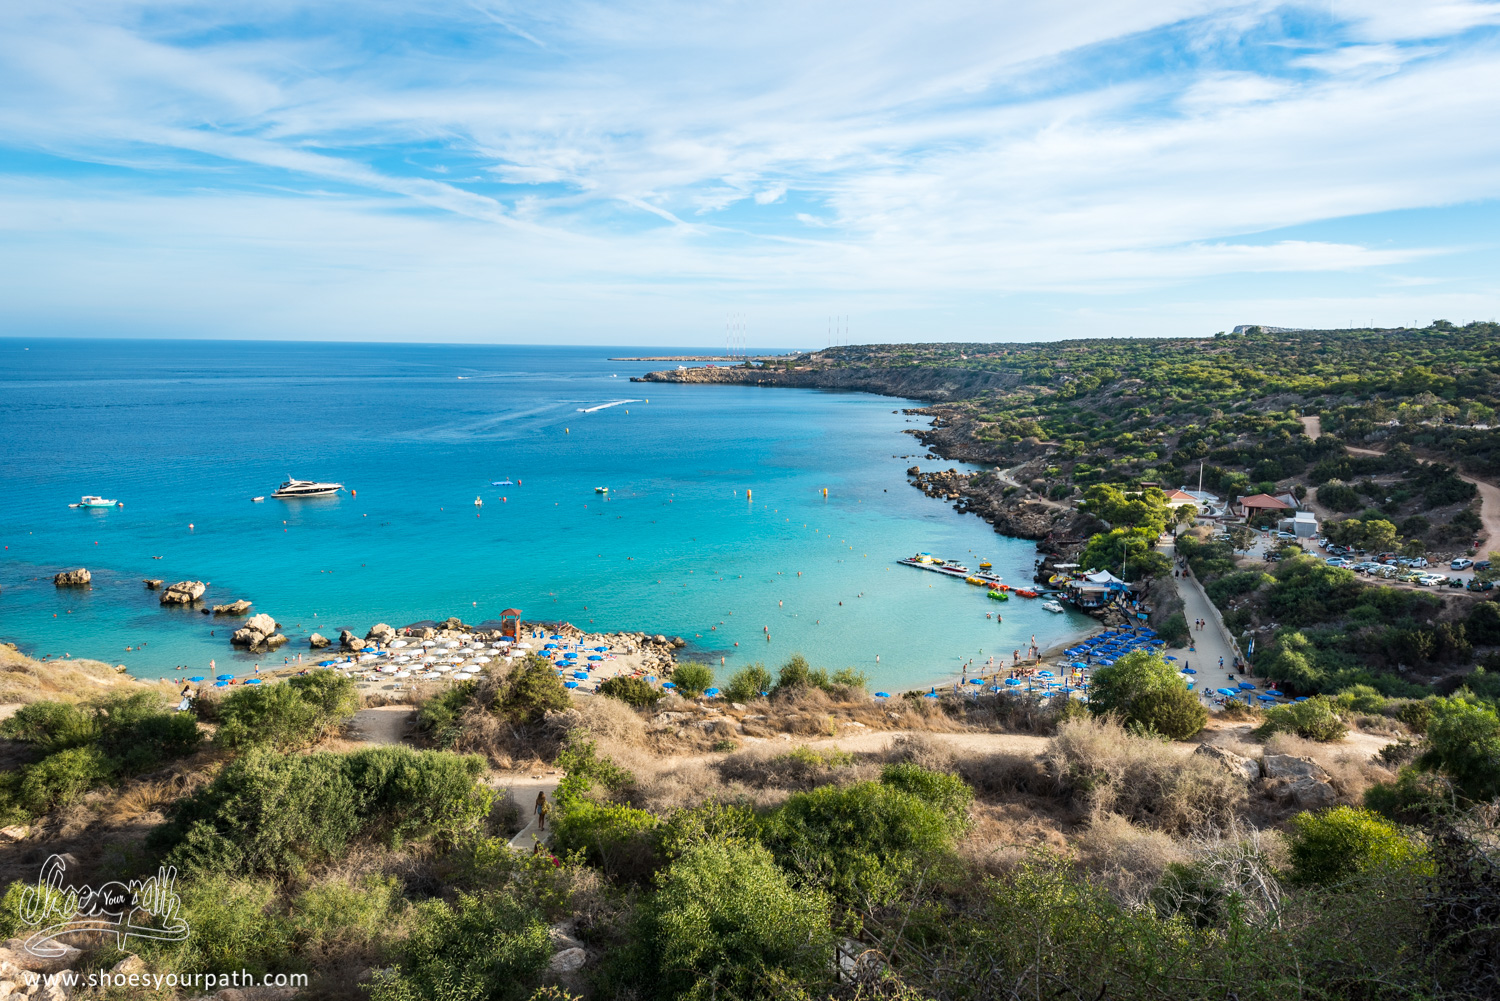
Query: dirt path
[523, 788]
[384, 724]
[1006, 477]
[1489, 497]
[1312, 427]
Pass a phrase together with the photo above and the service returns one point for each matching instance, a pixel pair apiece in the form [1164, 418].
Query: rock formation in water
[317, 641]
[73, 578]
[153, 583]
[184, 592]
[239, 607]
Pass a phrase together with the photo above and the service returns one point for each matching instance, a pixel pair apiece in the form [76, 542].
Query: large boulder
[350, 641]
[273, 641]
[1310, 793]
[380, 633]
[184, 592]
[73, 578]
[257, 631]
[1286, 766]
[262, 623]
[239, 607]
[317, 641]
[1236, 764]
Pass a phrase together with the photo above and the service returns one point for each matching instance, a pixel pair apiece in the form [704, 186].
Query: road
[1489, 498]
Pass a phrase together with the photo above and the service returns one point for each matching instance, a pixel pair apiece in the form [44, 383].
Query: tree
[630, 690]
[1463, 742]
[1241, 538]
[296, 713]
[533, 689]
[1130, 687]
[1184, 514]
[748, 683]
[692, 678]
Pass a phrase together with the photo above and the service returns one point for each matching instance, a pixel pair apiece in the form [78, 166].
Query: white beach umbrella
[398, 643]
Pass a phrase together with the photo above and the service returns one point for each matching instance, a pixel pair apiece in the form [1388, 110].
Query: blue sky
[639, 173]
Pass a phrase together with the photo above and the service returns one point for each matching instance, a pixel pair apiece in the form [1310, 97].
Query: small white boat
[479, 502]
[601, 490]
[256, 500]
[89, 500]
[1052, 606]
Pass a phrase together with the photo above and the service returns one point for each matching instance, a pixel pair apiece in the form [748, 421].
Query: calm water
[185, 433]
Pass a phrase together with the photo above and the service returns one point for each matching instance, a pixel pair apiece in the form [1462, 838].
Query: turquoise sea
[186, 432]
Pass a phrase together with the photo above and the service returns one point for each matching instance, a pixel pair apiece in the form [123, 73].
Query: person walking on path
[542, 809]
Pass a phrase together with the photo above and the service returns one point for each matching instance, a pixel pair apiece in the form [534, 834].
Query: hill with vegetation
[999, 846]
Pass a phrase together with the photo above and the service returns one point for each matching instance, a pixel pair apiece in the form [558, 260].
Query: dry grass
[23, 679]
[1127, 859]
[1102, 770]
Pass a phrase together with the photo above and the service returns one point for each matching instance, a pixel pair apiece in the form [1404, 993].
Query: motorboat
[601, 490]
[89, 500]
[292, 489]
[1052, 606]
[257, 500]
[479, 502]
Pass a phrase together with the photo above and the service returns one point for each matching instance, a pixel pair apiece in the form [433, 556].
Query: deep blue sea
[186, 432]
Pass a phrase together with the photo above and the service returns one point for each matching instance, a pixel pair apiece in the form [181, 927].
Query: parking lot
[1266, 542]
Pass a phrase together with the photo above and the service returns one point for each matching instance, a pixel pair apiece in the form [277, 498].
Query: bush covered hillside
[812, 842]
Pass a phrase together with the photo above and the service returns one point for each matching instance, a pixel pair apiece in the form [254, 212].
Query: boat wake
[604, 406]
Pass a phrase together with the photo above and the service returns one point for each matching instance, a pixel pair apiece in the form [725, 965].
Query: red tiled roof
[1266, 502]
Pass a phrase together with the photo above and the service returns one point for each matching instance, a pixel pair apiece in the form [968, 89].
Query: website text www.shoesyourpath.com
[71, 980]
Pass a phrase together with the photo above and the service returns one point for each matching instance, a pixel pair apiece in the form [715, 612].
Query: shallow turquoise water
[185, 433]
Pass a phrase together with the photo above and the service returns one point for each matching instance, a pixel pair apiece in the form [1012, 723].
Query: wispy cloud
[649, 163]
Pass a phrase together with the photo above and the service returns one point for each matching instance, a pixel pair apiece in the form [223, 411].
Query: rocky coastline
[1007, 502]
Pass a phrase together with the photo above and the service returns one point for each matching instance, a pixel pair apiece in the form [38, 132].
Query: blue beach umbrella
[570, 684]
[226, 677]
[197, 679]
[1080, 665]
[1266, 698]
[1013, 682]
[549, 646]
[1246, 686]
[1228, 691]
[1189, 670]
[711, 692]
[595, 656]
[581, 675]
[976, 681]
[930, 695]
[370, 649]
[221, 684]
[1169, 657]
[669, 684]
[651, 679]
[327, 663]
[1300, 698]
[882, 695]
[253, 681]
[601, 649]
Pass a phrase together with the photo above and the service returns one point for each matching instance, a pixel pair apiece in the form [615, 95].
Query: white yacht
[306, 488]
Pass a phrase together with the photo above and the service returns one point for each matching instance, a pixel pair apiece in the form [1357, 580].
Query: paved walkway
[523, 789]
[1209, 643]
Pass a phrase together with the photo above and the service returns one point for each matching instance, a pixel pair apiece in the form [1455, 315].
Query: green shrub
[85, 747]
[1463, 743]
[795, 673]
[1330, 847]
[864, 841]
[848, 677]
[748, 683]
[692, 678]
[1171, 711]
[630, 690]
[440, 716]
[294, 714]
[1174, 629]
[532, 690]
[726, 922]
[948, 793]
[1314, 719]
[1361, 699]
[1416, 714]
[486, 947]
[272, 814]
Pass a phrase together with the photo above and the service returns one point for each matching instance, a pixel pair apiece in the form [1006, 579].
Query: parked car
[1337, 561]
[1461, 564]
[1481, 585]
[1481, 564]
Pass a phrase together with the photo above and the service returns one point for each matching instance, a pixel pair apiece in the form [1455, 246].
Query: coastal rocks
[317, 641]
[455, 623]
[73, 578]
[184, 592]
[1236, 764]
[239, 607]
[258, 631]
[13, 953]
[380, 633]
[153, 583]
[350, 641]
[914, 471]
